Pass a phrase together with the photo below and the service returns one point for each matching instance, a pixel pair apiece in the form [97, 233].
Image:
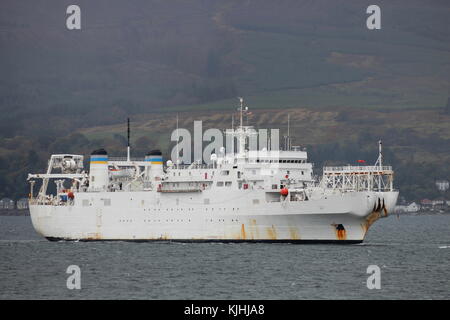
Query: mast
[178, 141]
[241, 100]
[232, 137]
[380, 163]
[128, 139]
[288, 133]
[287, 138]
[380, 153]
[241, 133]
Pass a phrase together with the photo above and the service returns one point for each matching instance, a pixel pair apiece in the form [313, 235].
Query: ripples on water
[413, 253]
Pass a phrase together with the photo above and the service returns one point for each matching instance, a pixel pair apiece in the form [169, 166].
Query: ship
[241, 195]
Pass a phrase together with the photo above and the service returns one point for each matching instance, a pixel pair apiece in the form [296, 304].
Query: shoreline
[15, 212]
[26, 212]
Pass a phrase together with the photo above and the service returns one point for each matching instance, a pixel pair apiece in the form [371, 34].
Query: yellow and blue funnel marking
[99, 160]
[155, 160]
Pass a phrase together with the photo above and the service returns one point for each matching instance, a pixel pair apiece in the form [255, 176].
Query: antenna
[289, 132]
[128, 139]
[241, 100]
[287, 138]
[380, 162]
[178, 141]
[380, 153]
[232, 130]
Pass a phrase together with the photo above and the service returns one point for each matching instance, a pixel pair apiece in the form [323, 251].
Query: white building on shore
[410, 208]
[22, 203]
[6, 203]
[442, 185]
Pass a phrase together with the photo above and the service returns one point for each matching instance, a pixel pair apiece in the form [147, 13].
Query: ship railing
[193, 166]
[197, 188]
[54, 201]
[349, 169]
[124, 159]
[173, 166]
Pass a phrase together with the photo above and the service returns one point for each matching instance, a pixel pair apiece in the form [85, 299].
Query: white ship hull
[245, 194]
[150, 216]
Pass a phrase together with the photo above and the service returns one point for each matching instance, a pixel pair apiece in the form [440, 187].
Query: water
[413, 253]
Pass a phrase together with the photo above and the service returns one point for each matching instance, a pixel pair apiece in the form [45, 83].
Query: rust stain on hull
[341, 233]
[243, 236]
[372, 217]
[379, 211]
[95, 236]
[254, 233]
[271, 233]
[294, 233]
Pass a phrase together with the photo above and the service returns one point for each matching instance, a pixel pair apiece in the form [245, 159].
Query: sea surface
[412, 252]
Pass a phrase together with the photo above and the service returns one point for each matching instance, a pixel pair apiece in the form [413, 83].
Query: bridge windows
[280, 161]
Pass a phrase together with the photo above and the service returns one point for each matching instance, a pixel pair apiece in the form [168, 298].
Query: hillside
[344, 86]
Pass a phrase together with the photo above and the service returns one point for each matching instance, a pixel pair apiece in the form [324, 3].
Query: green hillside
[71, 91]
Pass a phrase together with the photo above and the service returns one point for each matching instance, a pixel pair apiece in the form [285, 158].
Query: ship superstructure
[242, 195]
